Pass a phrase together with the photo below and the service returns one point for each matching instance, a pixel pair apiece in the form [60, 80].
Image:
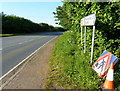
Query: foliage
[45, 27]
[59, 29]
[13, 24]
[1, 35]
[107, 14]
[70, 67]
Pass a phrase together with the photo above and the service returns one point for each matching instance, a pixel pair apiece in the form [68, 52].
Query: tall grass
[71, 68]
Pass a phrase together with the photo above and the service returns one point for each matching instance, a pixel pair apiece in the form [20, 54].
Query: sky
[38, 12]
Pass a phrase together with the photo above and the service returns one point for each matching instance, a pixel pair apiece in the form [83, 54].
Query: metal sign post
[88, 21]
[85, 39]
[92, 43]
[81, 35]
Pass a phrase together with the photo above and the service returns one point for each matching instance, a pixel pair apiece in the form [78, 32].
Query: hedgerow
[12, 24]
[70, 66]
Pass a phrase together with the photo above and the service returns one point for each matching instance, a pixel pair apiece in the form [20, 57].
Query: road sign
[88, 20]
[102, 64]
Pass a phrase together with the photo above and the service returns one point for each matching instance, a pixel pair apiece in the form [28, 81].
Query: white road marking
[2, 85]
[24, 42]
[22, 62]
[0, 49]
[31, 40]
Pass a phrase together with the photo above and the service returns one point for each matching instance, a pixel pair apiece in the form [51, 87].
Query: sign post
[85, 39]
[81, 34]
[88, 21]
[92, 43]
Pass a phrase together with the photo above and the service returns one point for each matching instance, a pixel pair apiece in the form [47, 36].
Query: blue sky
[38, 12]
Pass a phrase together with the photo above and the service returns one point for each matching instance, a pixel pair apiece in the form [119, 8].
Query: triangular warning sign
[102, 64]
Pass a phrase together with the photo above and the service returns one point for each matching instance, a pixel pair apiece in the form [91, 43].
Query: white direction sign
[88, 20]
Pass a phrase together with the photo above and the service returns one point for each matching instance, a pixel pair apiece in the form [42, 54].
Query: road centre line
[31, 40]
[24, 42]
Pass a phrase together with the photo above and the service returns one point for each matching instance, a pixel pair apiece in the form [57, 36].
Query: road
[17, 48]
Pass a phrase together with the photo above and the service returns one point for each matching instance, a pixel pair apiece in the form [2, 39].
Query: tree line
[107, 13]
[13, 24]
[107, 22]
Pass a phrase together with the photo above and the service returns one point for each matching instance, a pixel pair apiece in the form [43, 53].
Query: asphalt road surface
[17, 48]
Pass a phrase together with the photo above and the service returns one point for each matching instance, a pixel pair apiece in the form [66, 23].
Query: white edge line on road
[25, 59]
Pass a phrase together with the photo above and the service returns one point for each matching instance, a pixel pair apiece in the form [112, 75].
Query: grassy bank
[70, 68]
[5, 35]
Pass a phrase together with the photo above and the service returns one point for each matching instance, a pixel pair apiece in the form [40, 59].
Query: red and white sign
[102, 64]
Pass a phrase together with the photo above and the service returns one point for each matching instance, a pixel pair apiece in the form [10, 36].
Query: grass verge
[70, 68]
[5, 35]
